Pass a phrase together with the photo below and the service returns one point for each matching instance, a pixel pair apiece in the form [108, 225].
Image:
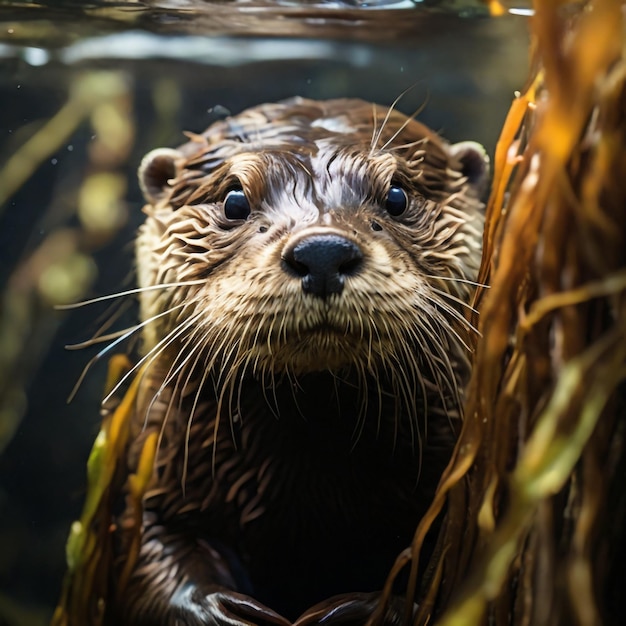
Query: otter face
[305, 237]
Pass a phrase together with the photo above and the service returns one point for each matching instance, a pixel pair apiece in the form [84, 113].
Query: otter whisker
[234, 385]
[444, 323]
[218, 417]
[120, 339]
[377, 135]
[395, 421]
[226, 358]
[239, 365]
[393, 364]
[418, 380]
[407, 145]
[101, 338]
[282, 329]
[174, 371]
[452, 312]
[456, 279]
[270, 334]
[273, 407]
[435, 335]
[363, 382]
[168, 410]
[183, 356]
[220, 404]
[153, 352]
[405, 390]
[128, 292]
[90, 363]
[362, 412]
[242, 377]
[370, 339]
[405, 124]
[390, 110]
[119, 335]
[373, 140]
[112, 314]
[427, 337]
[216, 339]
[416, 388]
[183, 478]
[293, 387]
[374, 368]
[454, 299]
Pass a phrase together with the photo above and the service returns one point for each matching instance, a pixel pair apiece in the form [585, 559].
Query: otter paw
[351, 609]
[223, 608]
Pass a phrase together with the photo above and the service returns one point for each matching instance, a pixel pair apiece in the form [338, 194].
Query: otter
[304, 271]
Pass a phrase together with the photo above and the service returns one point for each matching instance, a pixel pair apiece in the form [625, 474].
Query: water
[89, 88]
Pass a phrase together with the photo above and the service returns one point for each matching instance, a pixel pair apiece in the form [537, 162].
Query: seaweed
[85, 591]
[535, 505]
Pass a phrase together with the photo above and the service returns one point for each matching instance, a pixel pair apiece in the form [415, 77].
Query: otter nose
[323, 261]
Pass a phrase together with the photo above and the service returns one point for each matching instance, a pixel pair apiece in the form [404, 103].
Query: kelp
[86, 587]
[535, 503]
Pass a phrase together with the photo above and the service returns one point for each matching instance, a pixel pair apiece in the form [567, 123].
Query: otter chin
[304, 270]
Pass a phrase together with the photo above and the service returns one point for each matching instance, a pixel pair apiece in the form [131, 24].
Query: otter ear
[155, 172]
[474, 164]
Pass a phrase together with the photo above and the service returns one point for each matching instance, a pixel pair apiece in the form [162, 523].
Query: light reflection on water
[54, 23]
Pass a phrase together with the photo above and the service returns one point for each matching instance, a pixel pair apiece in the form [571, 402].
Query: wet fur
[300, 438]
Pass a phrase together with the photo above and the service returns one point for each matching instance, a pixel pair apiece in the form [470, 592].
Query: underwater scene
[87, 89]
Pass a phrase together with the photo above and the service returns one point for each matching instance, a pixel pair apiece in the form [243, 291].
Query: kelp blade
[86, 590]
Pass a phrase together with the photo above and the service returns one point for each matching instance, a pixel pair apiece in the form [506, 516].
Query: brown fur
[301, 437]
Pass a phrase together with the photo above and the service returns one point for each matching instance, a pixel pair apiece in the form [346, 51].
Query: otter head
[306, 237]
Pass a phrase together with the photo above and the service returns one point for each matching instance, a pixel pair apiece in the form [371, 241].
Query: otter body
[304, 268]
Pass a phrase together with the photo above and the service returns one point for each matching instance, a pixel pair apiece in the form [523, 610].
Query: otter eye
[396, 201]
[236, 205]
